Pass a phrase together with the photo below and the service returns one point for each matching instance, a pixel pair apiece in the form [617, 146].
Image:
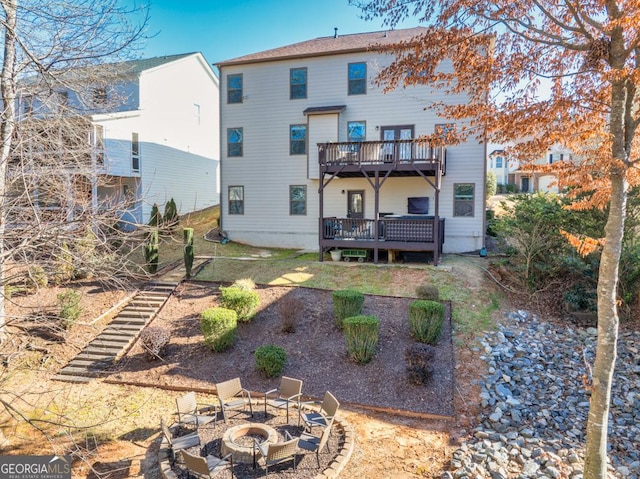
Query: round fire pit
[238, 440]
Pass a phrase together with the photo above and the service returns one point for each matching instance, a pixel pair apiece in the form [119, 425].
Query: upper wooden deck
[395, 158]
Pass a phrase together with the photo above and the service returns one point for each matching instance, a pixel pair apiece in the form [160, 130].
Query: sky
[225, 29]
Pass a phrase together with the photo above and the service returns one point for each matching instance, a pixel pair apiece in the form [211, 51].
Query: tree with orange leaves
[503, 54]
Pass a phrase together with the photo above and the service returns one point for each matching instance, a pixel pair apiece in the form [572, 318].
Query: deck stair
[116, 339]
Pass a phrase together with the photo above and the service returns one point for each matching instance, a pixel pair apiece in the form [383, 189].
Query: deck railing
[389, 229]
[379, 152]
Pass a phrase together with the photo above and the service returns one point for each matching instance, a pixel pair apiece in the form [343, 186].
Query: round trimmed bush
[243, 302]
[346, 303]
[361, 336]
[426, 319]
[270, 360]
[219, 328]
[428, 291]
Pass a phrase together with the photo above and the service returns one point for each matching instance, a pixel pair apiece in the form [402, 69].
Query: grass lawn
[459, 278]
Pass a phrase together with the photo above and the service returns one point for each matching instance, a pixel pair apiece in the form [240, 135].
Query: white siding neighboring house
[159, 136]
[530, 181]
[315, 156]
[499, 165]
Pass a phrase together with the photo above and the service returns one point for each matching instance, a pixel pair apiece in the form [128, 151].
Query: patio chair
[189, 412]
[275, 453]
[324, 416]
[309, 442]
[290, 391]
[177, 444]
[208, 466]
[232, 395]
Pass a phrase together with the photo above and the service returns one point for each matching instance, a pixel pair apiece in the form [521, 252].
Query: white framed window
[357, 78]
[298, 139]
[463, 199]
[236, 200]
[297, 200]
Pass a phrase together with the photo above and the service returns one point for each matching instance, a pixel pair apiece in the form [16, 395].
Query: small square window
[236, 200]
[357, 78]
[298, 200]
[234, 88]
[298, 140]
[298, 83]
[463, 199]
[234, 141]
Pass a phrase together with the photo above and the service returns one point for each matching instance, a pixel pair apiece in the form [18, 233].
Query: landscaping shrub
[580, 298]
[428, 291]
[245, 284]
[187, 234]
[69, 305]
[219, 328]
[426, 319]
[64, 268]
[170, 218]
[346, 303]
[38, 277]
[155, 219]
[289, 309]
[629, 285]
[420, 362]
[270, 360]
[151, 251]
[153, 340]
[361, 336]
[244, 303]
[491, 184]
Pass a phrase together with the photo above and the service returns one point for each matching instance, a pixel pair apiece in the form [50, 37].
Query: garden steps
[116, 339]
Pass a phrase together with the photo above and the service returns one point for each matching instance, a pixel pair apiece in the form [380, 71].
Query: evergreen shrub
[151, 253]
[346, 303]
[219, 328]
[187, 234]
[426, 319]
[361, 336]
[428, 291]
[244, 303]
[69, 306]
[270, 360]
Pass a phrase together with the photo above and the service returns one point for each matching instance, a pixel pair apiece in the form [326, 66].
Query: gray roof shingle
[329, 46]
[138, 66]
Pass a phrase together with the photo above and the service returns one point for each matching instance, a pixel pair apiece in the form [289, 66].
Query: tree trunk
[7, 125]
[595, 466]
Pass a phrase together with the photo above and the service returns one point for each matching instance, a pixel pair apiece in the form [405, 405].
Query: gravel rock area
[536, 404]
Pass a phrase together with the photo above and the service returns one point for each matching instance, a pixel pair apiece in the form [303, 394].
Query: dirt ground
[412, 446]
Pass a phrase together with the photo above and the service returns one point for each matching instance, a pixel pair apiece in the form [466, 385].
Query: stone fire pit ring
[241, 452]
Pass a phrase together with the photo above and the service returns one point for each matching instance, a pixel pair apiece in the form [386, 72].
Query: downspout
[220, 141]
[321, 156]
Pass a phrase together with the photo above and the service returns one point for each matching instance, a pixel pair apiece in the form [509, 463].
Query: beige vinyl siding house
[333, 100]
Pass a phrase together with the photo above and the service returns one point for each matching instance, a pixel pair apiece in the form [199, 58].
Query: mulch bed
[316, 352]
